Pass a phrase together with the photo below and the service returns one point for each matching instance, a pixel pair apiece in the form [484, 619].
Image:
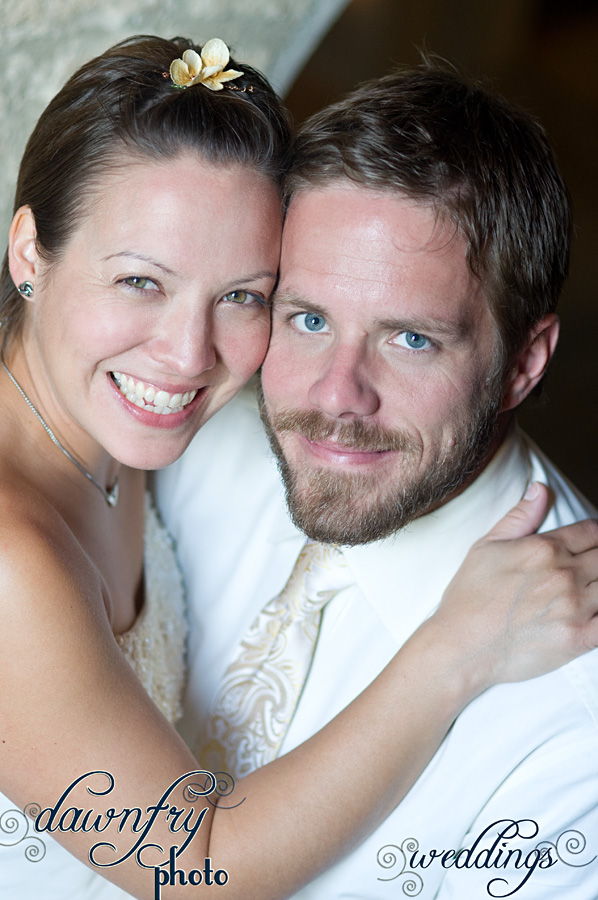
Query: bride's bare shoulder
[41, 561]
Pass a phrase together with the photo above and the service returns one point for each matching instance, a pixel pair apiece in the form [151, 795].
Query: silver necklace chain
[110, 496]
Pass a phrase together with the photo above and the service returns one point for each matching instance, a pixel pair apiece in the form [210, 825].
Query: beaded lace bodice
[155, 645]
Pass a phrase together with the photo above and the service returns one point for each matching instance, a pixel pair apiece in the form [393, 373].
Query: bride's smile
[150, 397]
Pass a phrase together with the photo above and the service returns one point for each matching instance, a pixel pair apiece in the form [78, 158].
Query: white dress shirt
[524, 751]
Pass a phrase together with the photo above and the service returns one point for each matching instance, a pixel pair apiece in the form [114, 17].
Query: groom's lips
[332, 451]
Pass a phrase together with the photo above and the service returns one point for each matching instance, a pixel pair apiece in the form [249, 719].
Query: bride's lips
[334, 452]
[153, 405]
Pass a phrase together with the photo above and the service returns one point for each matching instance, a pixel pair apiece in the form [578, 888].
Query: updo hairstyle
[123, 105]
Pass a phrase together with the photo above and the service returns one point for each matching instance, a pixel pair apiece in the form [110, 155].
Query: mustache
[353, 434]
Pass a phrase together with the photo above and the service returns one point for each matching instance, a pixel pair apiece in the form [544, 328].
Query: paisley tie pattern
[261, 687]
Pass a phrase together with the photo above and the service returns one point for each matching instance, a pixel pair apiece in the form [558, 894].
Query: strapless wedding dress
[34, 866]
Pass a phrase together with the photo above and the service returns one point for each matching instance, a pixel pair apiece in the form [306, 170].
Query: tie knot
[321, 571]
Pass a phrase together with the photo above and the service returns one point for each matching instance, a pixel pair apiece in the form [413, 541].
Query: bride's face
[159, 302]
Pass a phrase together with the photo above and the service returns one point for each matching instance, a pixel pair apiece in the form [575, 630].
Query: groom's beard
[350, 508]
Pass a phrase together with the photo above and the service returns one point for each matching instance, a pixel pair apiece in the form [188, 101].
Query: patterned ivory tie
[261, 687]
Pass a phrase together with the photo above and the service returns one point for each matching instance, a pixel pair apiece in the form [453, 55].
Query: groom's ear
[531, 362]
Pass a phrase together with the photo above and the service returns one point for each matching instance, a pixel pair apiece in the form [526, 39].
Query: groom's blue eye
[310, 322]
[411, 340]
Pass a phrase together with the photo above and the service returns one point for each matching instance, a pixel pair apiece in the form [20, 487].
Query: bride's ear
[22, 253]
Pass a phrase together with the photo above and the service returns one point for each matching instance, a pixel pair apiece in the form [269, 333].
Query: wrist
[461, 671]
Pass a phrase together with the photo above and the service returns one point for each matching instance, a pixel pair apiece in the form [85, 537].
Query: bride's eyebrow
[142, 257]
[257, 276]
[245, 278]
[248, 280]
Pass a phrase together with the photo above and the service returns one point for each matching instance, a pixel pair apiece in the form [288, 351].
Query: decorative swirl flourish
[391, 856]
[11, 823]
[225, 785]
[32, 810]
[15, 825]
[570, 843]
[410, 845]
[387, 858]
[413, 886]
[221, 783]
[35, 850]
[192, 792]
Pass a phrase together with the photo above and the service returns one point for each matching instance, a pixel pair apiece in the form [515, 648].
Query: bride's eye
[140, 283]
[243, 298]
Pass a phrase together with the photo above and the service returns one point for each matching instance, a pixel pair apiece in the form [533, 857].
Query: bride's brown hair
[122, 105]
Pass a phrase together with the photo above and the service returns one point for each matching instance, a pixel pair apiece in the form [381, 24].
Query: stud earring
[26, 289]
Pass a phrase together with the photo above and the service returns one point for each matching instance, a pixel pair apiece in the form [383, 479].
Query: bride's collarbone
[103, 545]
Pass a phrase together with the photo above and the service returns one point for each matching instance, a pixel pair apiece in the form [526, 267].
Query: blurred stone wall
[43, 41]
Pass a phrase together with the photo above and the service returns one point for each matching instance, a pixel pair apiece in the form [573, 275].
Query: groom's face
[380, 385]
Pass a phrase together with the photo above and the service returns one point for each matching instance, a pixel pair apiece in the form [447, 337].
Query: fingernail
[532, 491]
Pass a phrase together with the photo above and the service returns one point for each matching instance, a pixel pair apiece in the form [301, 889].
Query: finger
[586, 566]
[590, 634]
[580, 537]
[525, 518]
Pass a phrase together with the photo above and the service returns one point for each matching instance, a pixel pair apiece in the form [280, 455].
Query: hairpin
[207, 68]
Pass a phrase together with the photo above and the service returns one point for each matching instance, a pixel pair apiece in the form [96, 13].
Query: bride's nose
[185, 341]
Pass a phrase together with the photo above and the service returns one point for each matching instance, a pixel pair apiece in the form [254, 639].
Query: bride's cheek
[244, 346]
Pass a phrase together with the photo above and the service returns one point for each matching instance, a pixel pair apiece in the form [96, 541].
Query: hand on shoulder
[522, 603]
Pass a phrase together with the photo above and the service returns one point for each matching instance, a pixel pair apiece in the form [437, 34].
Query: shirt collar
[404, 576]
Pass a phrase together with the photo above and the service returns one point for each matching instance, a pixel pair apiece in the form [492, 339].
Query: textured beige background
[43, 41]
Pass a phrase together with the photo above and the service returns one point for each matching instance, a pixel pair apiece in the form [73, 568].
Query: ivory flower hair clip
[207, 69]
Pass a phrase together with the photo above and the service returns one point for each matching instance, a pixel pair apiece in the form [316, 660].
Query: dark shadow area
[545, 56]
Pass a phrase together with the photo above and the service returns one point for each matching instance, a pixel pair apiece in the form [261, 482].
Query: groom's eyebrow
[282, 298]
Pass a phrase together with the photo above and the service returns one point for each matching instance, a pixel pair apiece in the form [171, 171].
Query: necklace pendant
[112, 495]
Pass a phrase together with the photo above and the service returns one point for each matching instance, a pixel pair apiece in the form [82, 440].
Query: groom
[424, 250]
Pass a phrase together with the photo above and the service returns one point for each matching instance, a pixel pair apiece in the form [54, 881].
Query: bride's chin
[145, 440]
[149, 458]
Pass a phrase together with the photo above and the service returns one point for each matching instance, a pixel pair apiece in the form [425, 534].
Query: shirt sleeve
[536, 837]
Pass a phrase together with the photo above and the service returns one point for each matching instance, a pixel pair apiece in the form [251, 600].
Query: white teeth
[161, 398]
[147, 397]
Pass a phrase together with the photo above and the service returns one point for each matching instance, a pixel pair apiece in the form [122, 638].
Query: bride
[134, 300]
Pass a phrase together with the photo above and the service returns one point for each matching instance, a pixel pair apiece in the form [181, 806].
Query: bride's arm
[70, 704]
